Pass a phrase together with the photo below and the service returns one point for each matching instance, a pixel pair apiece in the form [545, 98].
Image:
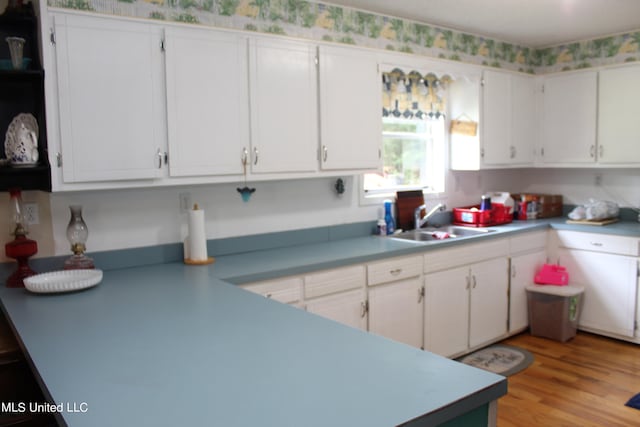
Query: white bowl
[63, 281]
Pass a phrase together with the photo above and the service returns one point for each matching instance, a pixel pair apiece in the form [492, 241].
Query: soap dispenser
[388, 218]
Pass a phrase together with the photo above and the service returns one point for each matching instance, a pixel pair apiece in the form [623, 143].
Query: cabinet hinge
[379, 153]
[542, 88]
[52, 36]
[482, 152]
[542, 151]
[638, 270]
[59, 160]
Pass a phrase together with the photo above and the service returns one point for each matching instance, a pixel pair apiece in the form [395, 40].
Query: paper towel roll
[197, 239]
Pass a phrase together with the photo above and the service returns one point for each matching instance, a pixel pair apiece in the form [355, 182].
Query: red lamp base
[20, 249]
[16, 280]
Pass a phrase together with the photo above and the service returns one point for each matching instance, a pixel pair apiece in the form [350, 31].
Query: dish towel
[634, 402]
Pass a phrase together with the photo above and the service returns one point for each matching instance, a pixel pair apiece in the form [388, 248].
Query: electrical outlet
[31, 214]
[185, 202]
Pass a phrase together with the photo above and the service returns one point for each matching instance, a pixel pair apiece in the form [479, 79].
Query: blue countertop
[171, 345]
[185, 340]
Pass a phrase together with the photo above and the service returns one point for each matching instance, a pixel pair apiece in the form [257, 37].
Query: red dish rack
[472, 216]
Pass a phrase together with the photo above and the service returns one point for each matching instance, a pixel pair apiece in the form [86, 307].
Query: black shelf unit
[22, 91]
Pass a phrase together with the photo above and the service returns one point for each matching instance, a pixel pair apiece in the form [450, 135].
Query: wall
[144, 217]
[322, 21]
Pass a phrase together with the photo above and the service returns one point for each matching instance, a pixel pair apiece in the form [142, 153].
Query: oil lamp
[77, 234]
[20, 248]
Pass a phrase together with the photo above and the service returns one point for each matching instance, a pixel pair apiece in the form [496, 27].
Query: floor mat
[500, 359]
[634, 402]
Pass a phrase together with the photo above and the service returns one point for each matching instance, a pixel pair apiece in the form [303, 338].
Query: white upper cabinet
[207, 101]
[350, 109]
[110, 104]
[524, 120]
[284, 106]
[618, 112]
[569, 119]
[507, 121]
[496, 118]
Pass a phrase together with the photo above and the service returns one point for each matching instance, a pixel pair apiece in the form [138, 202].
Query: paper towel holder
[187, 250]
[207, 261]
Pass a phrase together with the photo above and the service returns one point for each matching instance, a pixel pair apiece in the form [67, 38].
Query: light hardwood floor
[583, 382]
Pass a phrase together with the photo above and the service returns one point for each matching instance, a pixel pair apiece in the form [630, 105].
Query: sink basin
[438, 233]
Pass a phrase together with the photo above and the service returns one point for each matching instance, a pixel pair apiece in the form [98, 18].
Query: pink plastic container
[551, 274]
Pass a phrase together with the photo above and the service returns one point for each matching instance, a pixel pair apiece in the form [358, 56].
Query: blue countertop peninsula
[173, 345]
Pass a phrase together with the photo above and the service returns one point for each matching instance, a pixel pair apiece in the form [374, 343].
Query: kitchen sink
[441, 233]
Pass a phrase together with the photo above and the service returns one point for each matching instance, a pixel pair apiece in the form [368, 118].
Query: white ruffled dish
[63, 281]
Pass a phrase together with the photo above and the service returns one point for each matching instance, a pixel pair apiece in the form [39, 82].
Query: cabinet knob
[255, 155]
[363, 308]
[396, 271]
[592, 151]
[473, 279]
[420, 294]
[160, 156]
[325, 151]
[245, 156]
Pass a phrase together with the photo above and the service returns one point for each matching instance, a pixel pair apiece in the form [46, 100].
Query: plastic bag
[595, 210]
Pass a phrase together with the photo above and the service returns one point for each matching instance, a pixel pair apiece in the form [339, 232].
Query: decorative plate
[21, 141]
[63, 281]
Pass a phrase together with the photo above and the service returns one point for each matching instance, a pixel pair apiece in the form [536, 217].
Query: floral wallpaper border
[322, 21]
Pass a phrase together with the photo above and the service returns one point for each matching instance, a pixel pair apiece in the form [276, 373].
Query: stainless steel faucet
[417, 214]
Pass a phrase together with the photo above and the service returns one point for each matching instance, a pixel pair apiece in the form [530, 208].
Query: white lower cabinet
[338, 294]
[528, 254]
[466, 301]
[610, 286]
[447, 311]
[287, 290]
[607, 267]
[396, 299]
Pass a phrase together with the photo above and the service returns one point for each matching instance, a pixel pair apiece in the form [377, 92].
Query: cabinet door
[496, 118]
[207, 101]
[489, 301]
[618, 111]
[110, 98]
[350, 109]
[569, 118]
[284, 106]
[446, 323]
[524, 122]
[396, 311]
[523, 269]
[610, 286]
[349, 308]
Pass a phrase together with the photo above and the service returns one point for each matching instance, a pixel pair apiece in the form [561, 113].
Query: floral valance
[413, 95]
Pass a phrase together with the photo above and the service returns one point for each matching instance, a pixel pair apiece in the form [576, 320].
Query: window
[413, 135]
[413, 157]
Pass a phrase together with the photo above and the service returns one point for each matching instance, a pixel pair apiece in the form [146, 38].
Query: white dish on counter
[63, 281]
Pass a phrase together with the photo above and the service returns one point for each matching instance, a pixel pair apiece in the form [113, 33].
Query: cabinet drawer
[465, 254]
[394, 269]
[528, 241]
[286, 290]
[598, 242]
[332, 281]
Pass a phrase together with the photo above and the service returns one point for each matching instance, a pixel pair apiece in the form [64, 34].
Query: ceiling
[533, 23]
